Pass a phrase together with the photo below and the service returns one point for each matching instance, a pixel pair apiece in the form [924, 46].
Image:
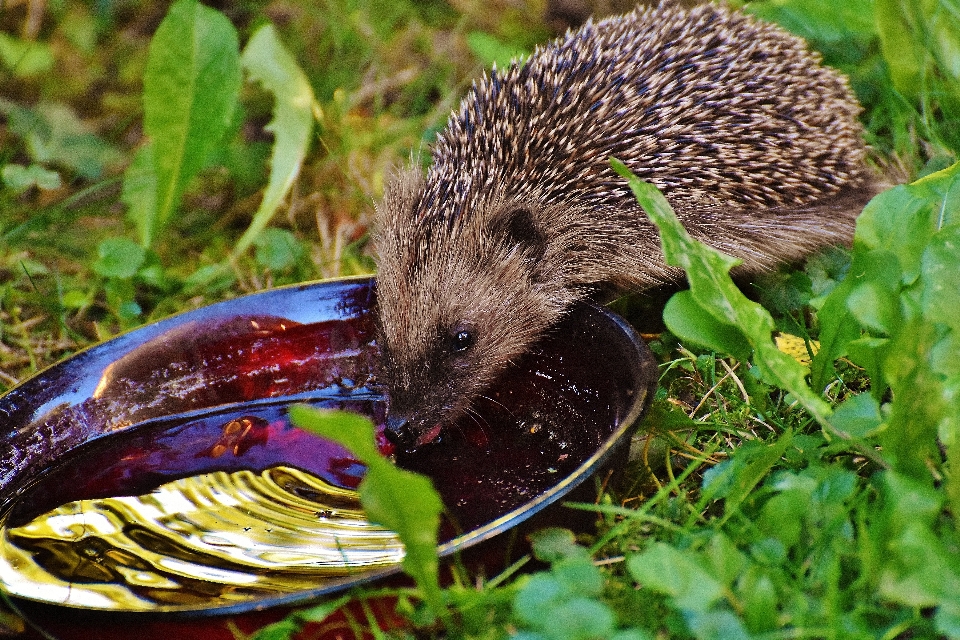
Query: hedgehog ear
[517, 228]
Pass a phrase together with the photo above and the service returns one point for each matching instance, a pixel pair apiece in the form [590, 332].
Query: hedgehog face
[454, 308]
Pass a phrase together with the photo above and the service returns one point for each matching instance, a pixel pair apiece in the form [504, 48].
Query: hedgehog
[755, 144]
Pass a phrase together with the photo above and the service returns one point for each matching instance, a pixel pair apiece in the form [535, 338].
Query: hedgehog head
[456, 303]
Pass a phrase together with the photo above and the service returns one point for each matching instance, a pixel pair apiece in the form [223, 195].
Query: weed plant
[812, 495]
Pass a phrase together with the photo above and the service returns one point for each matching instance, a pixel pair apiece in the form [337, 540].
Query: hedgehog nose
[399, 431]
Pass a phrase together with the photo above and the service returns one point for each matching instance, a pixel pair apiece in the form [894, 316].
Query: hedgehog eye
[461, 340]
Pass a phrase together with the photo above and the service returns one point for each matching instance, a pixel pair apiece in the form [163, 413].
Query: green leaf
[666, 570]
[920, 569]
[858, 416]
[119, 258]
[554, 544]
[909, 442]
[211, 277]
[580, 619]
[140, 193]
[870, 353]
[838, 328]
[75, 299]
[726, 561]
[691, 322]
[19, 178]
[820, 21]
[747, 467]
[353, 431]
[270, 64]
[278, 249]
[407, 503]
[759, 597]
[190, 89]
[55, 135]
[943, 190]
[493, 51]
[25, 58]
[716, 295]
[402, 501]
[940, 296]
[874, 300]
[293, 623]
[717, 625]
[579, 575]
[902, 49]
[283, 630]
[538, 598]
[781, 516]
[904, 219]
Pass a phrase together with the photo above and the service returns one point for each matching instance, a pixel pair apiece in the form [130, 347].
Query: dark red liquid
[535, 427]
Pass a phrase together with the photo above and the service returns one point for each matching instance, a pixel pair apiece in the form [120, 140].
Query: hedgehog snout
[399, 431]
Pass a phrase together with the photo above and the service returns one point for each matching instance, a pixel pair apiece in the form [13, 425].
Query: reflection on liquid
[215, 538]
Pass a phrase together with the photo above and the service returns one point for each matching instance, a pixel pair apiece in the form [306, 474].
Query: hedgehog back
[712, 106]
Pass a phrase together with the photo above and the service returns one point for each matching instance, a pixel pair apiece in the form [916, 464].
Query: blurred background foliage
[386, 75]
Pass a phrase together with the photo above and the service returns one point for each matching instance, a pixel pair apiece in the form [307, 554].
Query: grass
[752, 510]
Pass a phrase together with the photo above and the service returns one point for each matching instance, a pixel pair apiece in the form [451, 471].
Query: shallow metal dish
[552, 421]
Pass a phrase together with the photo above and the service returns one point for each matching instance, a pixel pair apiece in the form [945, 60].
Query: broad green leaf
[554, 544]
[691, 322]
[717, 625]
[580, 619]
[726, 561]
[140, 193]
[537, 599]
[870, 354]
[759, 599]
[269, 63]
[55, 135]
[716, 295]
[119, 258]
[402, 501]
[781, 516]
[920, 569]
[579, 576]
[902, 48]
[747, 467]
[25, 58]
[875, 298]
[19, 178]
[667, 570]
[909, 442]
[190, 89]
[943, 189]
[898, 221]
[940, 275]
[838, 328]
[859, 416]
[353, 431]
[903, 219]
[278, 249]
